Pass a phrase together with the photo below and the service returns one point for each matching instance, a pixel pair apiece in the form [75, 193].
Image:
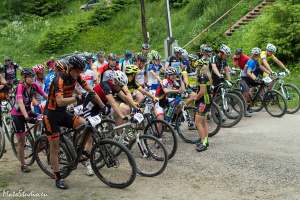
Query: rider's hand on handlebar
[287, 71]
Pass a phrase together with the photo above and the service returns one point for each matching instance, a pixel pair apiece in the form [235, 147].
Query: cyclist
[89, 75]
[153, 72]
[205, 52]
[268, 55]
[203, 103]
[10, 70]
[218, 65]
[167, 90]
[145, 50]
[140, 76]
[136, 90]
[250, 74]
[21, 112]
[68, 72]
[117, 85]
[240, 59]
[127, 60]
[177, 61]
[99, 63]
[40, 81]
[106, 71]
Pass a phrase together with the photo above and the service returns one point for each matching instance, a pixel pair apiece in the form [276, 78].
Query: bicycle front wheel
[274, 103]
[165, 133]
[116, 171]
[291, 94]
[150, 155]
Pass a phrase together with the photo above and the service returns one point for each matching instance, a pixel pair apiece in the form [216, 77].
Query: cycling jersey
[241, 61]
[140, 77]
[221, 65]
[105, 88]
[99, 65]
[37, 96]
[176, 63]
[252, 66]
[90, 77]
[62, 85]
[133, 85]
[26, 93]
[153, 83]
[203, 104]
[48, 80]
[264, 56]
[123, 63]
[166, 83]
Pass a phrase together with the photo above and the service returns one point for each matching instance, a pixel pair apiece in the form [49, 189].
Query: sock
[205, 141]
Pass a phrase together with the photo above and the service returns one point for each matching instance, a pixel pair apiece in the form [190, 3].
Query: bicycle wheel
[165, 133]
[240, 95]
[28, 147]
[232, 109]
[115, 171]
[291, 94]
[42, 157]
[150, 155]
[214, 120]
[2, 144]
[186, 127]
[274, 103]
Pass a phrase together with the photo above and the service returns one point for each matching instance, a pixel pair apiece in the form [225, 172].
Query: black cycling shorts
[19, 122]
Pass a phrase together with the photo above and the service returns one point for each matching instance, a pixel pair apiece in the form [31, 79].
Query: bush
[56, 40]
[178, 3]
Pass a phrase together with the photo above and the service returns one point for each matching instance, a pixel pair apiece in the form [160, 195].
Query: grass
[123, 31]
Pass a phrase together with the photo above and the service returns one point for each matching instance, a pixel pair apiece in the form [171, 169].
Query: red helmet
[38, 69]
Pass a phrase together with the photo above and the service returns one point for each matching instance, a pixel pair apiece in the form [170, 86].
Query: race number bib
[95, 120]
[138, 117]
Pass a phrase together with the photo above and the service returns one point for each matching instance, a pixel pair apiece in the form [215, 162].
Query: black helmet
[27, 72]
[238, 51]
[76, 62]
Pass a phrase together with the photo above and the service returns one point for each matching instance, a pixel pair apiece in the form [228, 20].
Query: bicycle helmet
[38, 69]
[271, 48]
[238, 51]
[170, 71]
[178, 50]
[202, 47]
[154, 55]
[132, 69]
[207, 49]
[255, 51]
[225, 49]
[76, 62]
[201, 62]
[27, 72]
[185, 53]
[128, 54]
[193, 57]
[120, 77]
[145, 46]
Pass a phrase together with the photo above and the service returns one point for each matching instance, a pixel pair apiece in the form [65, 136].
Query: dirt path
[258, 159]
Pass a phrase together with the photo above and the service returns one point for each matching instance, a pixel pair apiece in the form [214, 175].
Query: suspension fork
[142, 146]
[224, 100]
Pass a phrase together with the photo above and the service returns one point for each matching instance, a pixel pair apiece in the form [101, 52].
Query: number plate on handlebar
[78, 110]
[267, 80]
[138, 117]
[95, 120]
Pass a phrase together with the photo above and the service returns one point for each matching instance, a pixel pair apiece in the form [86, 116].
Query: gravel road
[258, 159]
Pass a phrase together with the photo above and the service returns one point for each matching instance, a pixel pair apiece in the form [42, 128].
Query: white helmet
[255, 51]
[171, 71]
[185, 53]
[178, 50]
[225, 49]
[121, 77]
[271, 48]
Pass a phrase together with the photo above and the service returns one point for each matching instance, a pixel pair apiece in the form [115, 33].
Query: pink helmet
[38, 69]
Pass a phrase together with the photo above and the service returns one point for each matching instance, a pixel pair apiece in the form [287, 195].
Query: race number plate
[138, 117]
[95, 120]
[78, 110]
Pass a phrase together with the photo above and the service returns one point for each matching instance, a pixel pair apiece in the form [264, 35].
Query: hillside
[33, 39]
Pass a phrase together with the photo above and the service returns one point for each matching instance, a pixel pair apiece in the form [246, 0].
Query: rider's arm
[251, 75]
[111, 100]
[227, 72]
[41, 92]
[185, 78]
[59, 90]
[145, 92]
[155, 75]
[278, 62]
[266, 65]
[125, 95]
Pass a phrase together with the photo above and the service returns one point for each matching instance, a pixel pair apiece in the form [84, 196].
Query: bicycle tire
[240, 95]
[169, 138]
[2, 144]
[102, 149]
[42, 144]
[273, 96]
[29, 145]
[150, 158]
[230, 121]
[215, 118]
[296, 92]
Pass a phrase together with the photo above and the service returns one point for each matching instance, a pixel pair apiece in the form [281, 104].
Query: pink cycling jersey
[26, 94]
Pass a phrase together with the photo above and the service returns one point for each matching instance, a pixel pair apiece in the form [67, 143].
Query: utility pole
[143, 19]
[169, 41]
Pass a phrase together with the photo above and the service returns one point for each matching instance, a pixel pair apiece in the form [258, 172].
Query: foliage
[178, 3]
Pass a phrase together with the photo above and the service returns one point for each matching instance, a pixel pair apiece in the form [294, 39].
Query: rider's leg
[139, 96]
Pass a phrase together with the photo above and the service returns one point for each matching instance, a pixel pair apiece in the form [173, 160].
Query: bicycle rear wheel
[275, 103]
[28, 147]
[150, 155]
[115, 171]
[42, 157]
[165, 133]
